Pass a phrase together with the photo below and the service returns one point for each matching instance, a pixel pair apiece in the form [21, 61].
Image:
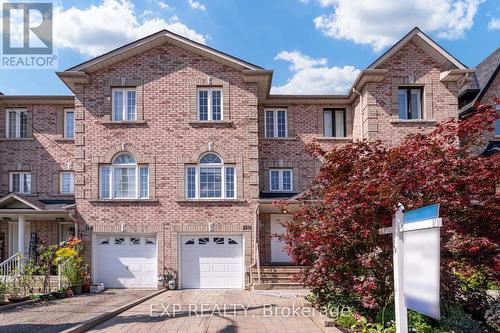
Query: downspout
[256, 256]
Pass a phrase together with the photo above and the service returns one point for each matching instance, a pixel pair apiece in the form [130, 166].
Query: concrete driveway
[58, 315]
[211, 311]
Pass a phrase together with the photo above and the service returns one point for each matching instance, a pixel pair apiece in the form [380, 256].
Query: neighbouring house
[482, 87]
[170, 154]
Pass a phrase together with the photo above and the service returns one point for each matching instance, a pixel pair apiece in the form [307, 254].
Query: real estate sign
[421, 256]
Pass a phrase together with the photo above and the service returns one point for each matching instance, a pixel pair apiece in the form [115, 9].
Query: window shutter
[3, 113]
[29, 129]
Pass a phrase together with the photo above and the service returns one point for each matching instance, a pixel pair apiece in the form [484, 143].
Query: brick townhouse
[170, 155]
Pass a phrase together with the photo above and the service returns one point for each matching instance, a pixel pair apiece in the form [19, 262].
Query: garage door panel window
[203, 241]
[219, 240]
[104, 241]
[124, 179]
[150, 241]
[119, 241]
[232, 242]
[210, 179]
[135, 241]
[190, 242]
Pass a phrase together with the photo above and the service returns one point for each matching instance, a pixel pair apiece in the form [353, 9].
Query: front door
[278, 255]
[14, 240]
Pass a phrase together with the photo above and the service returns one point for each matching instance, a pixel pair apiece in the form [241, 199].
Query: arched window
[210, 179]
[124, 179]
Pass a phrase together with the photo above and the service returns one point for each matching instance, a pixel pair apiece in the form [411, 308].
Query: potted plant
[70, 261]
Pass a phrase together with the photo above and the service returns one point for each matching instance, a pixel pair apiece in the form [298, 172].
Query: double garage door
[206, 261]
[126, 261]
[211, 261]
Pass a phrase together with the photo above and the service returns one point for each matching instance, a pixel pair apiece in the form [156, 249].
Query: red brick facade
[167, 137]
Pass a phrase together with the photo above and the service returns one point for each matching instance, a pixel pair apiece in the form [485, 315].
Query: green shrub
[346, 319]
[455, 319]
[492, 316]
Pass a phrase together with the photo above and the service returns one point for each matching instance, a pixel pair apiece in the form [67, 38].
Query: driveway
[58, 315]
[211, 311]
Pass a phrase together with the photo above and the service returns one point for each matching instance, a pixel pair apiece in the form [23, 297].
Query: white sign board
[421, 271]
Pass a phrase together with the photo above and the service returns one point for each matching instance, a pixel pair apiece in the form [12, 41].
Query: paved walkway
[58, 315]
[221, 311]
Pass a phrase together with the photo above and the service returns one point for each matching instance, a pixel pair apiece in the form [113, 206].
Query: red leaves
[335, 232]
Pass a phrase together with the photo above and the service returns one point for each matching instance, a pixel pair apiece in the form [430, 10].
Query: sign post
[416, 256]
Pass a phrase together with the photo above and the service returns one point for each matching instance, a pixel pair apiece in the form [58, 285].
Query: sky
[313, 46]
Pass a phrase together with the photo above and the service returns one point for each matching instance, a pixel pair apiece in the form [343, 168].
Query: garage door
[126, 261]
[209, 261]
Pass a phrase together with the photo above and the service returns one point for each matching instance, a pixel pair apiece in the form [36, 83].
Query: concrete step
[274, 279]
[274, 286]
[288, 269]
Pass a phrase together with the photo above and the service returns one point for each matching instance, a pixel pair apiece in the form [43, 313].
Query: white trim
[275, 122]
[209, 91]
[17, 197]
[280, 179]
[65, 134]
[112, 167]
[72, 182]
[124, 104]
[21, 182]
[18, 112]
[425, 224]
[223, 168]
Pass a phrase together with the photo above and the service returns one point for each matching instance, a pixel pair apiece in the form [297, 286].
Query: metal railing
[11, 266]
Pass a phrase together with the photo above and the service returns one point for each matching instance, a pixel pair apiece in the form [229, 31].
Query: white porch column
[21, 221]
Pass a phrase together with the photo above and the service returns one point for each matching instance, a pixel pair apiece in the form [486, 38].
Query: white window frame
[111, 182]
[21, 180]
[275, 117]
[124, 102]
[65, 124]
[17, 134]
[209, 103]
[72, 183]
[223, 168]
[280, 178]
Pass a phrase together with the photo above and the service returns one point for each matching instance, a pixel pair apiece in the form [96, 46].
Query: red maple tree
[335, 231]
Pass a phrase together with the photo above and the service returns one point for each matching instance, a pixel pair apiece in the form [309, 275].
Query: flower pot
[69, 293]
[59, 294]
[86, 288]
[77, 290]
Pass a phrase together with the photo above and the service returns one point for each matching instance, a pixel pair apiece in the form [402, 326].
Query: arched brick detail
[127, 148]
[211, 147]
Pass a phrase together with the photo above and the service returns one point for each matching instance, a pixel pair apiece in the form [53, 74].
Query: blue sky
[313, 46]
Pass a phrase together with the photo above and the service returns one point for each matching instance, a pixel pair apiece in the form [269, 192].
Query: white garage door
[209, 261]
[126, 261]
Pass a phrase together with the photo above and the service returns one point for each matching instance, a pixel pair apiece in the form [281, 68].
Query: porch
[275, 269]
[26, 222]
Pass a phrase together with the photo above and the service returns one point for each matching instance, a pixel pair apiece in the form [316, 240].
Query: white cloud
[99, 28]
[381, 23]
[312, 76]
[196, 5]
[494, 24]
[163, 5]
[298, 60]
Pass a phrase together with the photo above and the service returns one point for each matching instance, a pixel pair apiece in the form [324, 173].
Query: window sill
[335, 139]
[115, 201]
[289, 138]
[65, 140]
[211, 123]
[123, 122]
[198, 201]
[17, 139]
[414, 121]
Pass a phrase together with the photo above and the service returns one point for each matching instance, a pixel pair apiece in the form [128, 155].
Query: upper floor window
[124, 104]
[67, 183]
[20, 182]
[210, 179]
[124, 179]
[276, 123]
[209, 104]
[497, 121]
[334, 123]
[16, 124]
[69, 124]
[410, 103]
[280, 180]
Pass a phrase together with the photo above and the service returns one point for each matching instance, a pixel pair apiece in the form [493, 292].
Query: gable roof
[426, 43]
[154, 40]
[15, 201]
[485, 74]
